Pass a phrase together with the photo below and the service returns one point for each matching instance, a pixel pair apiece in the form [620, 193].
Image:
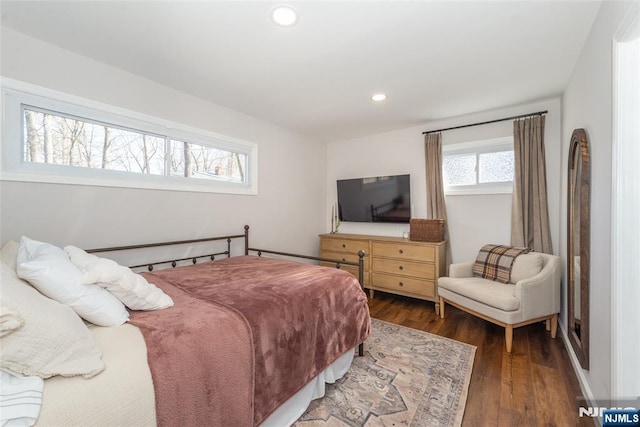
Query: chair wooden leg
[508, 337]
[554, 325]
[547, 324]
[441, 308]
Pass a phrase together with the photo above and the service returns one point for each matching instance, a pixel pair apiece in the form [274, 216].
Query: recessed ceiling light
[379, 97]
[284, 16]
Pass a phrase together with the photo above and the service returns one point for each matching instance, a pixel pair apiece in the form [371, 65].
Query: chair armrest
[461, 269]
[540, 295]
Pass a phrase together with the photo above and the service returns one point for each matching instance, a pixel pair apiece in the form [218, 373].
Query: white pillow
[49, 270]
[130, 288]
[525, 266]
[52, 339]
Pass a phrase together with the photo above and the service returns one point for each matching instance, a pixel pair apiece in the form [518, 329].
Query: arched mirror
[578, 245]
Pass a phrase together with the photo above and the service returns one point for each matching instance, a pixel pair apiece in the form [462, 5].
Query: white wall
[587, 103]
[286, 214]
[473, 220]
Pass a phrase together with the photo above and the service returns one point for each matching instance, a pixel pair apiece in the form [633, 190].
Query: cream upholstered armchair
[531, 295]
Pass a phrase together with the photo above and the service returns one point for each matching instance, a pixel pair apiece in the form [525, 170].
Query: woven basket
[426, 230]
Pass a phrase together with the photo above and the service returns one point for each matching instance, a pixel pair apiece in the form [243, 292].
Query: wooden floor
[533, 386]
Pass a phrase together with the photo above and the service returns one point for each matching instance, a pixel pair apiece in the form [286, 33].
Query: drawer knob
[344, 246]
[343, 259]
[401, 251]
[401, 268]
[401, 284]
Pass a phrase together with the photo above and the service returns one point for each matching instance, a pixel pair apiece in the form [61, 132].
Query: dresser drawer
[403, 251]
[403, 267]
[343, 256]
[345, 245]
[426, 288]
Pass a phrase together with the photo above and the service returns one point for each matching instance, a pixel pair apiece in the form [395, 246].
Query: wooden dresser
[346, 248]
[391, 264]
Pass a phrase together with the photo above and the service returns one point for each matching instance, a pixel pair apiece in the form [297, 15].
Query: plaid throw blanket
[494, 262]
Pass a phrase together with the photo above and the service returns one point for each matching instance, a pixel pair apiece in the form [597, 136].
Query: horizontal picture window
[54, 141]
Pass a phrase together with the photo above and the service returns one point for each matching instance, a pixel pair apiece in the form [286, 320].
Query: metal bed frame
[227, 252]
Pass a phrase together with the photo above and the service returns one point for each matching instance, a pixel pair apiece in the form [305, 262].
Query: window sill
[478, 191]
[153, 183]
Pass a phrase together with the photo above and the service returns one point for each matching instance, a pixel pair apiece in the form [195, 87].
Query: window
[55, 141]
[479, 167]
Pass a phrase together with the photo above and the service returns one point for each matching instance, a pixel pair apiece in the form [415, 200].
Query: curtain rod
[538, 113]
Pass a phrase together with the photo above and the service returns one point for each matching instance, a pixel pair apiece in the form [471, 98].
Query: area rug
[406, 378]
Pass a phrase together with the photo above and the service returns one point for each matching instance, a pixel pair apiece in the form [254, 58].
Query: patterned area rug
[406, 378]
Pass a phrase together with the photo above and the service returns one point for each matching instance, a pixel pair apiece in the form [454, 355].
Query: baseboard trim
[582, 380]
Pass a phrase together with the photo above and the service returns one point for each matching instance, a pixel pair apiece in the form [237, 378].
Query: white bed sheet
[292, 409]
[123, 394]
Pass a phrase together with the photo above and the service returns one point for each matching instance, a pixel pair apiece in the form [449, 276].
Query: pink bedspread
[245, 334]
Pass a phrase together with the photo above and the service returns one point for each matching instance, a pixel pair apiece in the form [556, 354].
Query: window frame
[12, 167]
[477, 148]
[624, 246]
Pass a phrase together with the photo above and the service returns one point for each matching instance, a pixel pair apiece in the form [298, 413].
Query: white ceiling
[434, 59]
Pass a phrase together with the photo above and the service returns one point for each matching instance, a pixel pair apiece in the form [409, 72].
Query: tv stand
[391, 264]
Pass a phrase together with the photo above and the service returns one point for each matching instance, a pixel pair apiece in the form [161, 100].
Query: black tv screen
[375, 199]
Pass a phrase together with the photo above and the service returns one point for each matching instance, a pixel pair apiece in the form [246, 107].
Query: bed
[250, 340]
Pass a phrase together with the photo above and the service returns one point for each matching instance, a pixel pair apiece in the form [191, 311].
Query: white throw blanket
[20, 399]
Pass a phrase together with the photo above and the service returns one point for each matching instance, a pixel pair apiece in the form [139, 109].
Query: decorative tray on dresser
[391, 264]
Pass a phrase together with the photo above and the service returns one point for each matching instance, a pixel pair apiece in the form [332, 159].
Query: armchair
[532, 296]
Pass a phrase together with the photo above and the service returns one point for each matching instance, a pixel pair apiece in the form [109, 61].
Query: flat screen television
[375, 199]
